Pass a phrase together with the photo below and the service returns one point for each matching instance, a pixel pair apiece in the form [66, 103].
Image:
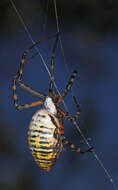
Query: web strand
[43, 61]
[75, 123]
[58, 30]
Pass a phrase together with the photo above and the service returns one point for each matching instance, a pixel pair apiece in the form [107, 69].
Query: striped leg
[74, 148]
[21, 107]
[68, 87]
[18, 76]
[52, 66]
[78, 109]
[61, 124]
[26, 52]
[27, 88]
[65, 114]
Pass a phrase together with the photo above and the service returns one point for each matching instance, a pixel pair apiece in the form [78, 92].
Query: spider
[46, 133]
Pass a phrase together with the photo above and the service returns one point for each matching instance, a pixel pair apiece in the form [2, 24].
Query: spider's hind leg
[74, 148]
[78, 108]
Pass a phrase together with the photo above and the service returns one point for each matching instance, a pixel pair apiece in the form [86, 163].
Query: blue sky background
[90, 41]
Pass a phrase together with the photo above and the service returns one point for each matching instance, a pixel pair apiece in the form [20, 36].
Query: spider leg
[74, 148]
[21, 107]
[52, 66]
[68, 87]
[61, 124]
[78, 108]
[18, 76]
[24, 86]
[27, 88]
[23, 58]
[65, 114]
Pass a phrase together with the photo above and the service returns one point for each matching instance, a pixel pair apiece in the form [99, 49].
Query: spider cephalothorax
[50, 106]
[54, 96]
[46, 133]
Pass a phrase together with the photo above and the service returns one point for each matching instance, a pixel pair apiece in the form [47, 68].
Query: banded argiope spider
[45, 124]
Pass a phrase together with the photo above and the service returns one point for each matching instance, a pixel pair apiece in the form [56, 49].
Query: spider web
[45, 65]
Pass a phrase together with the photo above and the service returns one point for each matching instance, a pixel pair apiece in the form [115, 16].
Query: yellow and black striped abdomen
[44, 139]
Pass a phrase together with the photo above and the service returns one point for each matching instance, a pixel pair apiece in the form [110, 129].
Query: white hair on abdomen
[49, 105]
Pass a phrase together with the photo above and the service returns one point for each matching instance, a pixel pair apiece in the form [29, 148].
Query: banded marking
[44, 147]
[68, 87]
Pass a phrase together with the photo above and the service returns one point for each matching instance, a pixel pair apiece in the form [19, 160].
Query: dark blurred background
[89, 31]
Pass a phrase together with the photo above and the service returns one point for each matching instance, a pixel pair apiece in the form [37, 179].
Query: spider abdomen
[45, 139]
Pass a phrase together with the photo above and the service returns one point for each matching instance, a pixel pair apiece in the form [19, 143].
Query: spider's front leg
[74, 148]
[29, 105]
[15, 97]
[68, 87]
[32, 91]
[18, 77]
